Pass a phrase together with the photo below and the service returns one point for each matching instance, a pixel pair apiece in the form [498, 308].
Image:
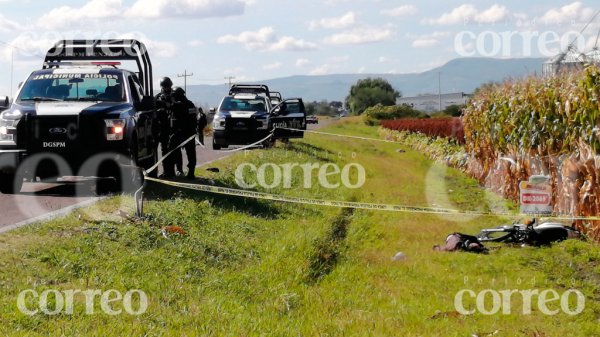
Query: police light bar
[83, 63]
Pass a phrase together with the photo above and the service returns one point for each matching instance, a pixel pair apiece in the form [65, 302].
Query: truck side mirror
[147, 103]
[4, 102]
[212, 111]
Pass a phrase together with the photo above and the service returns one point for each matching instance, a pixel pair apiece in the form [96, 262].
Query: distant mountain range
[459, 75]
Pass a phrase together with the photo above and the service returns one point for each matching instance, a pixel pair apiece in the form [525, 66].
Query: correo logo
[58, 131]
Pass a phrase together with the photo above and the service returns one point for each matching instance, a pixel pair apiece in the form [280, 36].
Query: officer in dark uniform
[165, 102]
[183, 126]
[202, 122]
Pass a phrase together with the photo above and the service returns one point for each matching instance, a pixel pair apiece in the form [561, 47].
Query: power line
[229, 80]
[12, 60]
[185, 75]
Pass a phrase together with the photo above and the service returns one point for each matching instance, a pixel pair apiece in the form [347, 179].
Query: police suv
[82, 115]
[242, 117]
[247, 115]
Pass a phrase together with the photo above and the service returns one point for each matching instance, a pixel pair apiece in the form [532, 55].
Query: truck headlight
[219, 122]
[8, 127]
[262, 122]
[115, 129]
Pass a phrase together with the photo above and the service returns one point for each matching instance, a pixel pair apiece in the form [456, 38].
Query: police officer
[165, 102]
[183, 126]
[202, 122]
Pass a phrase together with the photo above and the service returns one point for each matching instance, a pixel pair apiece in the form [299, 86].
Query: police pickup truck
[82, 115]
[246, 115]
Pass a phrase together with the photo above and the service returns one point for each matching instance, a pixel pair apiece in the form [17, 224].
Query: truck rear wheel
[148, 163]
[10, 183]
[215, 146]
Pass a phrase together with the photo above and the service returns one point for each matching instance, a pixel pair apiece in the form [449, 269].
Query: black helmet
[178, 92]
[166, 82]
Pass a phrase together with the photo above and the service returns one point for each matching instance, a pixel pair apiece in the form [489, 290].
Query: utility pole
[440, 89]
[229, 79]
[12, 68]
[185, 75]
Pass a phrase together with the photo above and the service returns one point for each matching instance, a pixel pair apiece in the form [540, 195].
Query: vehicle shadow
[79, 189]
[312, 151]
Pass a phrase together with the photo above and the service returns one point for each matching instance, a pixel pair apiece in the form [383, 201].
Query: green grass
[253, 268]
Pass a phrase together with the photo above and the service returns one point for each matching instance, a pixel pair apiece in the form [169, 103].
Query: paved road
[39, 201]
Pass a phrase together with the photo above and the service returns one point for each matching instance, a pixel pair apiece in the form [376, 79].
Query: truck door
[143, 120]
[289, 114]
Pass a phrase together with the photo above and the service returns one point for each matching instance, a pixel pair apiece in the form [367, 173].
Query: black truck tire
[215, 146]
[10, 183]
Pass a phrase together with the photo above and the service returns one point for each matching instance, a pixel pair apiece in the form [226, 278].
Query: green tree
[322, 108]
[370, 92]
[336, 104]
[454, 110]
[375, 114]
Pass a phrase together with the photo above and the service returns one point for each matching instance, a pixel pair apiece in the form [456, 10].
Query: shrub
[374, 115]
[450, 128]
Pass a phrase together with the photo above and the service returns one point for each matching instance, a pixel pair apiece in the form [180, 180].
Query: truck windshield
[243, 104]
[73, 87]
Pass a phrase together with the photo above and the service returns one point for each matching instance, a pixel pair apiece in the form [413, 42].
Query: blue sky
[263, 39]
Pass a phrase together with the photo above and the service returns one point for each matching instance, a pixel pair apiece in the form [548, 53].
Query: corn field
[540, 126]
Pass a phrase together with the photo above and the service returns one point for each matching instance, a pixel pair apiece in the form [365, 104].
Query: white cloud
[321, 70]
[405, 10]
[360, 36]
[384, 59]
[272, 66]
[288, 43]
[302, 63]
[107, 11]
[335, 2]
[345, 21]
[195, 43]
[7, 25]
[339, 59]
[425, 43]
[428, 40]
[266, 39]
[467, 13]
[92, 11]
[361, 70]
[155, 9]
[27, 47]
[234, 71]
[457, 16]
[252, 40]
[569, 13]
[163, 49]
[494, 14]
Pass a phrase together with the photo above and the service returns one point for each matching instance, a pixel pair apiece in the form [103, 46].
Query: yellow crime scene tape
[342, 204]
[344, 136]
[349, 204]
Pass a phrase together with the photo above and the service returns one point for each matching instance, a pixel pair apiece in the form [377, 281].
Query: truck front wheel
[10, 183]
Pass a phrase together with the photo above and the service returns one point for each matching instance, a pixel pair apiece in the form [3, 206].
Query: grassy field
[254, 268]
